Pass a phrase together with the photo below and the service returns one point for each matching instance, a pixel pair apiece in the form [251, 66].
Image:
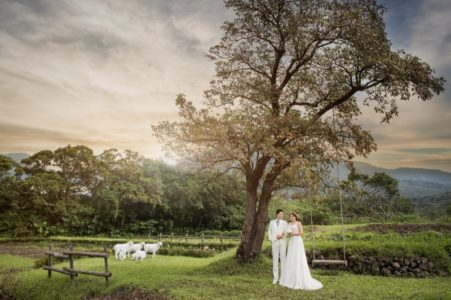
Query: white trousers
[278, 251]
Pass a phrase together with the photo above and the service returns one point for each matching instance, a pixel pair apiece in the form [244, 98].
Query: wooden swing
[325, 262]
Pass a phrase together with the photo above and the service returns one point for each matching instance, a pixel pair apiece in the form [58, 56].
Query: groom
[276, 233]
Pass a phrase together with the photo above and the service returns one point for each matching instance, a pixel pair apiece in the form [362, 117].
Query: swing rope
[311, 220]
[316, 261]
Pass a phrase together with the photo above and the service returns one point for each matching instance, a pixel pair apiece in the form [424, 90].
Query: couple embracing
[295, 272]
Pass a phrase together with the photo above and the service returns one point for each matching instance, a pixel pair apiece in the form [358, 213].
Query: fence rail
[170, 237]
[71, 271]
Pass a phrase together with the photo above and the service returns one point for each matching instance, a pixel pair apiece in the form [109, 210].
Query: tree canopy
[281, 66]
[291, 77]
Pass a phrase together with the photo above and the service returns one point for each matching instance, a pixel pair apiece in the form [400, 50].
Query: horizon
[100, 73]
[174, 163]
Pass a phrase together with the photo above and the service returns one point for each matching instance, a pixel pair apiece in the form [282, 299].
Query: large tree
[282, 68]
[125, 181]
[76, 165]
[375, 197]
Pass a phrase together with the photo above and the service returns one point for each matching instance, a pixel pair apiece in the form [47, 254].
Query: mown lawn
[218, 277]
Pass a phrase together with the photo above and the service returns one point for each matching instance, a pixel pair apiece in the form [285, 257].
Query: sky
[100, 73]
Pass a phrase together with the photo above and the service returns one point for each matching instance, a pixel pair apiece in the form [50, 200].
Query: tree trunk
[123, 222]
[244, 253]
[254, 227]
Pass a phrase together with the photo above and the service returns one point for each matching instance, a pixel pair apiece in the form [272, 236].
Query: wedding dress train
[296, 273]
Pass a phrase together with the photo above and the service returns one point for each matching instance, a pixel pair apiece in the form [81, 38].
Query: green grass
[434, 245]
[13, 263]
[220, 277]
[176, 247]
[210, 278]
[108, 240]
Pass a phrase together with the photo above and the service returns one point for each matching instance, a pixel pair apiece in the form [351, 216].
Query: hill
[413, 182]
[17, 157]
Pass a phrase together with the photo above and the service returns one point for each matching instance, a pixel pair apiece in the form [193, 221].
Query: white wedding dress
[296, 273]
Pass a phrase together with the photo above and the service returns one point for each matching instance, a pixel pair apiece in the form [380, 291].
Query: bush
[193, 252]
[212, 245]
[218, 233]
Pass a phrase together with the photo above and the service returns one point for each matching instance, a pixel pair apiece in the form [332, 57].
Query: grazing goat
[136, 247]
[153, 248]
[122, 247]
[121, 255]
[139, 255]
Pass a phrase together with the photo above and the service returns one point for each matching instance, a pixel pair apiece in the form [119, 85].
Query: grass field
[217, 277]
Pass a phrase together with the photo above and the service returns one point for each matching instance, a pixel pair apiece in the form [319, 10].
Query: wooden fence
[170, 237]
[71, 271]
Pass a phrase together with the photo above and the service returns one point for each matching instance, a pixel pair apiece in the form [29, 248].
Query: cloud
[422, 29]
[102, 68]
[399, 18]
[426, 150]
[18, 137]
[100, 73]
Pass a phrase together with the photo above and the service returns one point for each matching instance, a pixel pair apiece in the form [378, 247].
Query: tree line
[71, 191]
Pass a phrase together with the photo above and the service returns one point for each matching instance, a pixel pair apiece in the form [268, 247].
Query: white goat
[122, 247]
[139, 255]
[122, 254]
[137, 247]
[153, 248]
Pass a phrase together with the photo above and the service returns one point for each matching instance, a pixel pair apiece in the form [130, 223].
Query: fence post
[203, 240]
[159, 237]
[172, 236]
[50, 260]
[107, 282]
[222, 237]
[71, 263]
[186, 237]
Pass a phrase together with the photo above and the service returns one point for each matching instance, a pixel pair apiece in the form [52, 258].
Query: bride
[296, 274]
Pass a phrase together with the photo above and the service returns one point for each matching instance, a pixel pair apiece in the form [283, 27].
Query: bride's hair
[295, 215]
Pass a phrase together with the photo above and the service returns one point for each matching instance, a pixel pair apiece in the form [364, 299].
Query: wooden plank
[106, 271]
[50, 261]
[56, 254]
[63, 271]
[329, 262]
[71, 263]
[82, 253]
[103, 274]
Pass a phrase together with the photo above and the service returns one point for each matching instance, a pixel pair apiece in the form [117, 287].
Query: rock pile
[416, 266]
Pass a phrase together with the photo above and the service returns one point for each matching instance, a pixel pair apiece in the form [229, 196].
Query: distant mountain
[17, 157]
[413, 182]
[368, 169]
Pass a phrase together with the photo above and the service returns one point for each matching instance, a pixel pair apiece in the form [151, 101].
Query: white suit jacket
[274, 229]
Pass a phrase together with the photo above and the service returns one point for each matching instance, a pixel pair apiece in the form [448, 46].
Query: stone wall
[415, 266]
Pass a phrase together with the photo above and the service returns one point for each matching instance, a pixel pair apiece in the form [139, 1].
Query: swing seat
[329, 262]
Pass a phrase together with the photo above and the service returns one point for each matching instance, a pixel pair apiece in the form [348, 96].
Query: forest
[72, 191]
